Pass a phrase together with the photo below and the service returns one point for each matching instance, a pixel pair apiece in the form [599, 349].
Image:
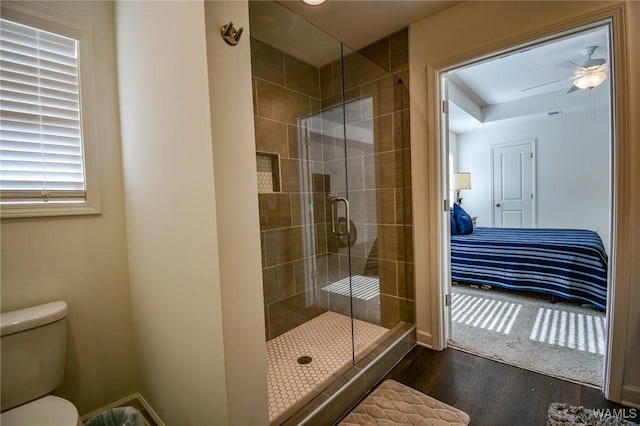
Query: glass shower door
[376, 258]
[309, 338]
[330, 160]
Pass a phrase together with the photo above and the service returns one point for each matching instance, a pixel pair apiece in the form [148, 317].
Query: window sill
[47, 209]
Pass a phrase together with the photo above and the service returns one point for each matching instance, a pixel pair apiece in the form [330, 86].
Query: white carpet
[562, 340]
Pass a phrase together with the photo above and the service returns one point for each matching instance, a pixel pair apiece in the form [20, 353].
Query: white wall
[453, 164]
[192, 211]
[237, 215]
[83, 259]
[572, 166]
[170, 209]
[453, 150]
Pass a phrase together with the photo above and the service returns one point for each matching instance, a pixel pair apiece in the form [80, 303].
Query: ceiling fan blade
[573, 89]
[594, 63]
[570, 65]
[544, 84]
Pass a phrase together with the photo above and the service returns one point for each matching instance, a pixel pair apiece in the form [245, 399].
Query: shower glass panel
[331, 129]
[378, 179]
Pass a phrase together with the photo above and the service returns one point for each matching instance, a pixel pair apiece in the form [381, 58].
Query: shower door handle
[334, 214]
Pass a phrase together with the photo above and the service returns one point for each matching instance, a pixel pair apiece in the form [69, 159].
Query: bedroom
[525, 106]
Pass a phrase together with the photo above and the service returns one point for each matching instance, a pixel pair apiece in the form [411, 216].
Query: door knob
[498, 205]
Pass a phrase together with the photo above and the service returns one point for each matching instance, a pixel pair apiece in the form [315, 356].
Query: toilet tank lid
[34, 316]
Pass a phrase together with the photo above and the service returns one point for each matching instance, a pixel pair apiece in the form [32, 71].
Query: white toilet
[34, 345]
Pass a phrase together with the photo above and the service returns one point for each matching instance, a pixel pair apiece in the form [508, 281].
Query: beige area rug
[562, 339]
[393, 403]
[560, 414]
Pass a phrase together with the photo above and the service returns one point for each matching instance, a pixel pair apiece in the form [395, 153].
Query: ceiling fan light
[590, 79]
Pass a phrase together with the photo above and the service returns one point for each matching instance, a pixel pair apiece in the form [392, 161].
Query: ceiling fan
[587, 75]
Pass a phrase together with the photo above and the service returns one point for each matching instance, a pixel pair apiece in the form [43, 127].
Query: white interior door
[513, 173]
[446, 202]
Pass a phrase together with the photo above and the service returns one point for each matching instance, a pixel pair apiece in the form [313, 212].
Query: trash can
[119, 416]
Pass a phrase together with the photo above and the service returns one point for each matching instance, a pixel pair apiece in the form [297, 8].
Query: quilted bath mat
[393, 403]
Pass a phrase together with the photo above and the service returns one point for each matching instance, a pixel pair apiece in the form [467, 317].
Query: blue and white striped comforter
[570, 263]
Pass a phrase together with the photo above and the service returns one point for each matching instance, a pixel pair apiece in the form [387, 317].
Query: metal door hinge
[445, 107]
[447, 300]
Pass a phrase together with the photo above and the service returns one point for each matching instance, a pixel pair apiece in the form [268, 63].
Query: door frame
[445, 246]
[532, 143]
[446, 260]
[429, 289]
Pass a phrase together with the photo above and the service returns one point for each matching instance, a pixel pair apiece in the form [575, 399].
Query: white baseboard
[123, 402]
[423, 338]
[631, 396]
[150, 410]
[115, 404]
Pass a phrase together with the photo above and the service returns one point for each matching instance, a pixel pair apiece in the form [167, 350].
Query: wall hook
[230, 34]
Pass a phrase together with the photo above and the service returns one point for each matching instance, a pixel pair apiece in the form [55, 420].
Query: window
[43, 167]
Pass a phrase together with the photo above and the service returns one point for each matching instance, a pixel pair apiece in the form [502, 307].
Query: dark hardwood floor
[493, 394]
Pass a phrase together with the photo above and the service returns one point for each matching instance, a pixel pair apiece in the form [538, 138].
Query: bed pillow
[454, 224]
[463, 220]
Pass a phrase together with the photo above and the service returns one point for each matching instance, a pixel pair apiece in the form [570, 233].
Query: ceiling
[296, 26]
[509, 82]
[360, 23]
[491, 91]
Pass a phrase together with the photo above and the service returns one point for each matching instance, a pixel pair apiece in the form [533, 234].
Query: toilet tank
[34, 344]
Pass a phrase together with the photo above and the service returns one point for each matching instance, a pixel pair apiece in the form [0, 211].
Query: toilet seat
[47, 411]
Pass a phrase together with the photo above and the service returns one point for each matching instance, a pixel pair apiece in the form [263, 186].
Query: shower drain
[304, 359]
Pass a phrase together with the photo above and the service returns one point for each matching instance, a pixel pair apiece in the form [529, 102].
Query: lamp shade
[461, 180]
[589, 79]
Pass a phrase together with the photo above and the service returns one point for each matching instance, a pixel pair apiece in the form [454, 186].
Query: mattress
[569, 263]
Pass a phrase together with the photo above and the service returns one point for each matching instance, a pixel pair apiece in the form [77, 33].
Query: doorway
[503, 196]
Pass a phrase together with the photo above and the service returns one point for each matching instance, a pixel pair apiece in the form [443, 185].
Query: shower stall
[334, 183]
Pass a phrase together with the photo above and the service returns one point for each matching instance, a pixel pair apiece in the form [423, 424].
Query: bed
[569, 263]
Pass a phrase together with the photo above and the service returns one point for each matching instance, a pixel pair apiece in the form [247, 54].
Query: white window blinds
[40, 130]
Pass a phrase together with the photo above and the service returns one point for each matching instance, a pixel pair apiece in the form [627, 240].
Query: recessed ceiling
[503, 79]
[534, 81]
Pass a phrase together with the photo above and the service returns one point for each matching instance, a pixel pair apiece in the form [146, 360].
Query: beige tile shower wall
[295, 247]
[379, 175]
[293, 236]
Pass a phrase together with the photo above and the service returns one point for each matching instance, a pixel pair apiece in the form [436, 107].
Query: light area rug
[563, 339]
[560, 414]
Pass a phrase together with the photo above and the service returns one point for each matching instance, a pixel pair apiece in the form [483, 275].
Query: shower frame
[347, 148]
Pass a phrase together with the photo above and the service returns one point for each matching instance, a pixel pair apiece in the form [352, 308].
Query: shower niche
[268, 170]
[336, 234]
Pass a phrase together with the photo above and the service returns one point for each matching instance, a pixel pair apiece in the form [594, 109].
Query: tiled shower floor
[327, 339]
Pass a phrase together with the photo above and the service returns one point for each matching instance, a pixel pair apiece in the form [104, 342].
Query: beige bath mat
[393, 403]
